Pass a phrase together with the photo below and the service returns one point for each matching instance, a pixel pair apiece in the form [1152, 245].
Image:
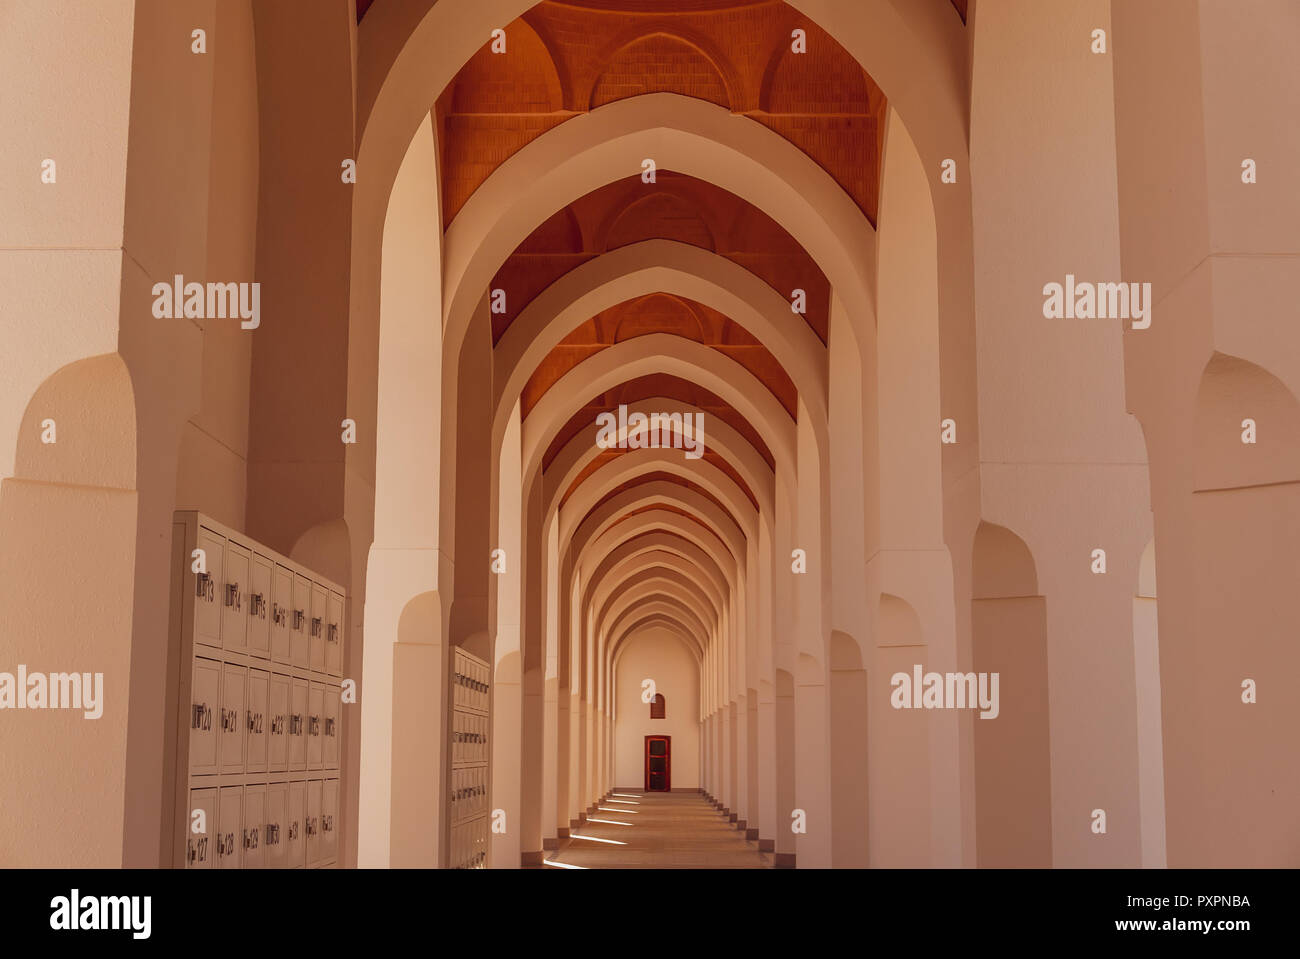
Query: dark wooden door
[658, 763]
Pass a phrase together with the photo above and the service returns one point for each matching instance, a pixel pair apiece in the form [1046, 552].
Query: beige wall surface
[659, 655]
[1074, 437]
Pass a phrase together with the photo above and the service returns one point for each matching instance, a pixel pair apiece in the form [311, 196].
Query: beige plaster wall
[657, 654]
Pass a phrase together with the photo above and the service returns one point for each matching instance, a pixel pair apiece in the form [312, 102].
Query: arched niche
[1236, 398]
[686, 69]
[1227, 757]
[67, 579]
[899, 752]
[1013, 786]
[419, 705]
[848, 726]
[1146, 666]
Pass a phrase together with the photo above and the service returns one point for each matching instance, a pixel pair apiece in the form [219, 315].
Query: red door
[658, 763]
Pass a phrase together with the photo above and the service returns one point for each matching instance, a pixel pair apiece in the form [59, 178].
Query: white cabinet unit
[331, 728]
[209, 553]
[281, 612]
[296, 816]
[316, 627]
[334, 635]
[315, 725]
[234, 595]
[311, 824]
[258, 643]
[201, 829]
[230, 826]
[254, 821]
[256, 722]
[329, 820]
[232, 734]
[277, 749]
[204, 713]
[299, 637]
[467, 802]
[298, 725]
[274, 838]
[259, 607]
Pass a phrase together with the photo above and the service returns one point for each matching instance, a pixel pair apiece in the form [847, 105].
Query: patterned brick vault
[686, 210]
[567, 58]
[675, 207]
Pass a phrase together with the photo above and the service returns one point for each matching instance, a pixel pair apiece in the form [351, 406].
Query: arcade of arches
[825, 227]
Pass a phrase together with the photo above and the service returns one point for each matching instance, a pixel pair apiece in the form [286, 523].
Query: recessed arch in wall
[1013, 784]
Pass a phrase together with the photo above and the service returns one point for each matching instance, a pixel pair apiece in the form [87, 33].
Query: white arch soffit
[665, 620]
[675, 269]
[611, 513]
[642, 595]
[662, 540]
[625, 569]
[679, 133]
[634, 463]
[665, 550]
[660, 353]
[646, 586]
[657, 581]
[655, 528]
[620, 642]
[719, 436]
[658, 575]
[668, 608]
[661, 492]
[655, 533]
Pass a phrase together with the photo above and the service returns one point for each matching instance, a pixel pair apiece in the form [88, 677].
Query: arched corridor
[637, 433]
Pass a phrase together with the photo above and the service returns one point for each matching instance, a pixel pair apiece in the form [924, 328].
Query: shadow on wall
[67, 578]
[900, 761]
[1229, 731]
[1013, 782]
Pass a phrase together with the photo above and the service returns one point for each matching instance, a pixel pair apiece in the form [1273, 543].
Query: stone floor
[658, 831]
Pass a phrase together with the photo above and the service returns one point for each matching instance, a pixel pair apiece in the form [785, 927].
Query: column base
[532, 860]
[784, 860]
[732, 817]
[550, 843]
[767, 845]
[563, 831]
[751, 834]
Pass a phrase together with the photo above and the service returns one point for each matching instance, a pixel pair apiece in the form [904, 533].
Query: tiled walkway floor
[659, 831]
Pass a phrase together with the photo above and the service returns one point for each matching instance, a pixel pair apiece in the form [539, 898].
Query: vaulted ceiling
[674, 207]
[566, 57]
[658, 6]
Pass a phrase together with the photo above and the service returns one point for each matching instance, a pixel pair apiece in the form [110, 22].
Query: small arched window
[658, 706]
